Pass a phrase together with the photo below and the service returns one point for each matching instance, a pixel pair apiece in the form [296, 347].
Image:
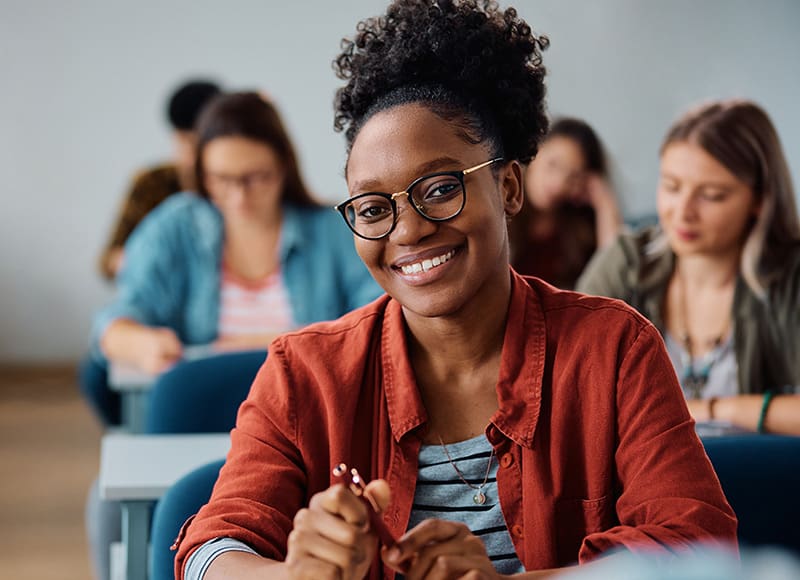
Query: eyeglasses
[224, 182]
[437, 197]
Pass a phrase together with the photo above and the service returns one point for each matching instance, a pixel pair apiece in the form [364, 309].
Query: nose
[685, 205]
[410, 226]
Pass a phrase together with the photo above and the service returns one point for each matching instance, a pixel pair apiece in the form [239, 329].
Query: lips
[686, 235]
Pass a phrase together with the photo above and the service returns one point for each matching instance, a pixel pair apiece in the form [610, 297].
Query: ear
[511, 188]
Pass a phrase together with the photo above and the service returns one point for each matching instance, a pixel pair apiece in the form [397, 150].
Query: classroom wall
[84, 83]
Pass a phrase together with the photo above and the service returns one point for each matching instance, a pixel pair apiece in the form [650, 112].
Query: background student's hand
[598, 192]
[160, 348]
[438, 550]
[331, 538]
[151, 349]
[608, 218]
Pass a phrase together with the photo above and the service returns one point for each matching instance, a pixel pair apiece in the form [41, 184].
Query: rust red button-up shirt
[596, 447]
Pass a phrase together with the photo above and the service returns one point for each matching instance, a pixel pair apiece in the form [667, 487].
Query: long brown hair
[739, 134]
[248, 115]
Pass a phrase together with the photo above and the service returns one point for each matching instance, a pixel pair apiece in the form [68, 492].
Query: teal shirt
[171, 276]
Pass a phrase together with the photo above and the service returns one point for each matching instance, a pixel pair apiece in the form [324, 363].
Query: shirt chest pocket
[577, 518]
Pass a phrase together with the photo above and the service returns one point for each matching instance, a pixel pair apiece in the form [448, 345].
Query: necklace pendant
[479, 498]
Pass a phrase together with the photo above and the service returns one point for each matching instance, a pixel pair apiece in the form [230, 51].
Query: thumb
[378, 493]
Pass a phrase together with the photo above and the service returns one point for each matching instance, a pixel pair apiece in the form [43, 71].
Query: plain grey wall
[84, 84]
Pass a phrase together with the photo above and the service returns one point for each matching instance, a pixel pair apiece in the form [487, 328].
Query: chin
[428, 306]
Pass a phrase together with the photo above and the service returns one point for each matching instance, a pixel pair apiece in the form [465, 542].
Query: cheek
[663, 205]
[367, 251]
[736, 221]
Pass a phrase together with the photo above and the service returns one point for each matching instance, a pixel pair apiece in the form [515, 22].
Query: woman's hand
[331, 538]
[439, 549]
[160, 348]
[604, 202]
[151, 349]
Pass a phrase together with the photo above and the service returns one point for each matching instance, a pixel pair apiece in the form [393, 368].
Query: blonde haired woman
[720, 277]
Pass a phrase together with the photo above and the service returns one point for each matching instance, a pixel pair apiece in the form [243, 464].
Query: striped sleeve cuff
[202, 557]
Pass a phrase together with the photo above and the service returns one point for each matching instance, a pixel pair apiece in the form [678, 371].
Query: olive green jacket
[766, 332]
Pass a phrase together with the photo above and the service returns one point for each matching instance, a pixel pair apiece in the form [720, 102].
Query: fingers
[331, 538]
[440, 549]
[325, 537]
[339, 500]
[379, 493]
[169, 343]
[165, 350]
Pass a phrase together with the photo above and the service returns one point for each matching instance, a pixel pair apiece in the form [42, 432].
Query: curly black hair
[466, 60]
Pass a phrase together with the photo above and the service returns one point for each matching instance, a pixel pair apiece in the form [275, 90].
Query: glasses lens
[439, 196]
[370, 215]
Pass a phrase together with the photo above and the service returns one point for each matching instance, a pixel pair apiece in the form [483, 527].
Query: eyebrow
[432, 166]
[705, 184]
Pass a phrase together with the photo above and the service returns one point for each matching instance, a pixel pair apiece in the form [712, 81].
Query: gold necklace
[479, 498]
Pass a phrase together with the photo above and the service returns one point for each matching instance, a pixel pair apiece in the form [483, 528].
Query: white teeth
[426, 265]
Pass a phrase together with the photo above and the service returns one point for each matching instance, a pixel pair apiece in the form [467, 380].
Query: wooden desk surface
[142, 467]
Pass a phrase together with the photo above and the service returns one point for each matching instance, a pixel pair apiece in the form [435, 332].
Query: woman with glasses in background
[249, 256]
[512, 428]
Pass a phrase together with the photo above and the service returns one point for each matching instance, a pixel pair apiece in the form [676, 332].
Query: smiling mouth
[425, 265]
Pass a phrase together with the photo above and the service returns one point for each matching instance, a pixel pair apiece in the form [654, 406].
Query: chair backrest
[182, 500]
[202, 395]
[760, 475]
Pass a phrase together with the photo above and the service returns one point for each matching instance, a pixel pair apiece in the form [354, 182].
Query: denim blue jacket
[171, 276]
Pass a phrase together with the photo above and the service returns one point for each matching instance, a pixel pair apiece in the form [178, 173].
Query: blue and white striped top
[441, 494]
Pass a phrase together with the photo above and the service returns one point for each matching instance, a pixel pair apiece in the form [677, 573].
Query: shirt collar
[519, 386]
[291, 230]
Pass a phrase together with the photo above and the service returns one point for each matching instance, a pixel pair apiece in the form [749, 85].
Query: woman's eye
[372, 211]
[669, 186]
[440, 190]
[715, 196]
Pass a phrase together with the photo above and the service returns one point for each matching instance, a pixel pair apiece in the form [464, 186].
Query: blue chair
[760, 475]
[182, 500]
[202, 395]
[197, 396]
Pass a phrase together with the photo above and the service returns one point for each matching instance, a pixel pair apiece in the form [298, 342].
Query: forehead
[237, 153]
[563, 149]
[395, 145]
[690, 161]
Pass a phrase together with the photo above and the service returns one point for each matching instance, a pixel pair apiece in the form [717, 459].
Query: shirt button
[506, 460]
[516, 529]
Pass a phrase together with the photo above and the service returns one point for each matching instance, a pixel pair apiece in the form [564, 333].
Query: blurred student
[570, 209]
[251, 255]
[153, 185]
[500, 439]
[720, 277]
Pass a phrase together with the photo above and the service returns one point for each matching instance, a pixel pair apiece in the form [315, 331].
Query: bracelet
[711, 402]
[763, 415]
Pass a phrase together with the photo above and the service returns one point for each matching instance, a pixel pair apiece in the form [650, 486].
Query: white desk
[137, 469]
[133, 385]
[719, 429]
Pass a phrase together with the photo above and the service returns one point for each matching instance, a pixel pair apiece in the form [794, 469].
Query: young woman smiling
[504, 436]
